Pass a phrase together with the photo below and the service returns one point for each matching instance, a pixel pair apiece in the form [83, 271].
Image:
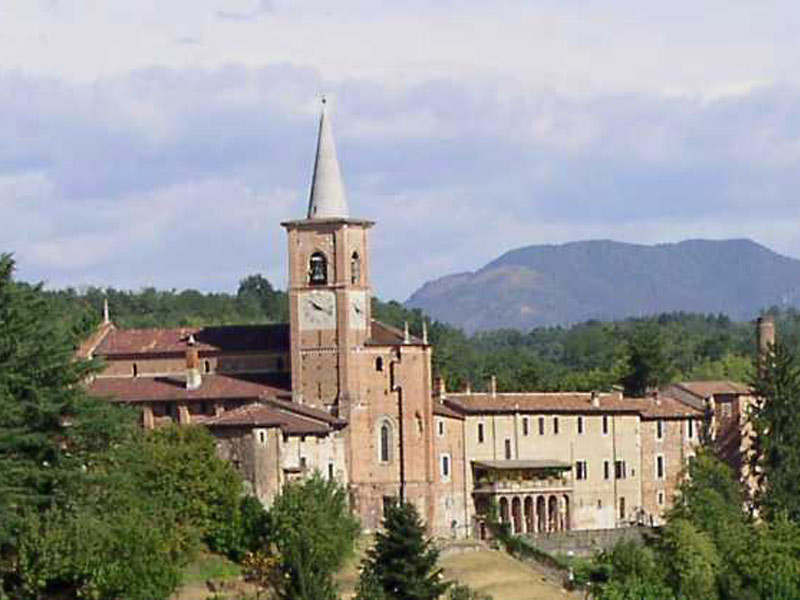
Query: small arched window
[318, 269]
[385, 442]
[379, 364]
[355, 268]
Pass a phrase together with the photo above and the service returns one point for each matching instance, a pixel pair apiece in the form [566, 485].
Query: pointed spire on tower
[327, 200]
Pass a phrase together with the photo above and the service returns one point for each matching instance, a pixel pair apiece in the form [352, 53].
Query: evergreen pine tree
[776, 420]
[47, 424]
[403, 559]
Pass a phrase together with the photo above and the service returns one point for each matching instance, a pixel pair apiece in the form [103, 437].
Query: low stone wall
[586, 542]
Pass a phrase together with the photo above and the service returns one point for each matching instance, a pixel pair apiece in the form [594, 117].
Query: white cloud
[157, 143]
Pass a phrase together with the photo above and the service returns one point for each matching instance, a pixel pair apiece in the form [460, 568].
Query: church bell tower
[329, 290]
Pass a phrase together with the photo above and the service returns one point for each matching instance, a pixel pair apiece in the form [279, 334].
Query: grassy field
[489, 571]
[505, 578]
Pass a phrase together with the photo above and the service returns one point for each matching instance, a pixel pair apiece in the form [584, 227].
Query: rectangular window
[581, 470]
[525, 426]
[580, 425]
[331, 471]
[659, 429]
[690, 429]
[622, 508]
[660, 498]
[606, 469]
[480, 433]
[605, 424]
[303, 463]
[619, 469]
[262, 437]
[440, 427]
[660, 466]
[508, 449]
[555, 425]
[445, 465]
[541, 425]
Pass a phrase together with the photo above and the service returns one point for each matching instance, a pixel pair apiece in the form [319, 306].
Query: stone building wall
[674, 447]
[596, 499]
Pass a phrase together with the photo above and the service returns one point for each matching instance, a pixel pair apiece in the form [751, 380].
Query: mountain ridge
[561, 284]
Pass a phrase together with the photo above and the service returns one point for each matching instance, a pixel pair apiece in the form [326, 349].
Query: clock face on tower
[317, 310]
[357, 311]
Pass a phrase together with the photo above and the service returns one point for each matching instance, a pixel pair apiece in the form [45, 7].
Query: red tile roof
[706, 389]
[288, 419]
[214, 387]
[229, 338]
[566, 402]
[445, 411]
[382, 334]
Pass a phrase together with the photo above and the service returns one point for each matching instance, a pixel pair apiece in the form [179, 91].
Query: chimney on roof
[406, 333]
[106, 312]
[493, 386]
[424, 332]
[468, 387]
[595, 399]
[657, 396]
[441, 388]
[765, 336]
[193, 378]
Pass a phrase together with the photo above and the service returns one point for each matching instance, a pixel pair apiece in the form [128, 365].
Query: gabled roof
[307, 421]
[174, 340]
[213, 387]
[443, 410]
[706, 389]
[382, 334]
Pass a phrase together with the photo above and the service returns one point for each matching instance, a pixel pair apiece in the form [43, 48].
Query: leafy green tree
[178, 467]
[314, 533]
[648, 366]
[692, 561]
[776, 420]
[272, 304]
[403, 559]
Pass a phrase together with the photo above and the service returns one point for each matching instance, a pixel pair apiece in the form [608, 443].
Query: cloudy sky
[161, 142]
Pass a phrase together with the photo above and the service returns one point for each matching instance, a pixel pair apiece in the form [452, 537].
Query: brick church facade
[337, 392]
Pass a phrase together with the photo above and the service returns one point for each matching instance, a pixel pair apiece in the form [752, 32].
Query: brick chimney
[441, 389]
[657, 396]
[595, 399]
[765, 334]
[493, 386]
[468, 387]
[193, 378]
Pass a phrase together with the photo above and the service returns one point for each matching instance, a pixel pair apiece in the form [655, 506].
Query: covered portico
[532, 496]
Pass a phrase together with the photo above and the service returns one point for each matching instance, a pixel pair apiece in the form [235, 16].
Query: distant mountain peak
[559, 284]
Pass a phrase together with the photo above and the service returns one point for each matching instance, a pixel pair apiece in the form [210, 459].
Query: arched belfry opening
[318, 269]
[355, 268]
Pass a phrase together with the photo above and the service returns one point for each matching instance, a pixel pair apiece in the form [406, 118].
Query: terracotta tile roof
[228, 338]
[148, 389]
[382, 334]
[559, 402]
[262, 415]
[88, 346]
[566, 402]
[446, 411]
[706, 389]
[667, 408]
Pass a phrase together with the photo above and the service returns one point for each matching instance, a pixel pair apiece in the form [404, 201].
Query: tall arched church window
[355, 268]
[385, 442]
[318, 269]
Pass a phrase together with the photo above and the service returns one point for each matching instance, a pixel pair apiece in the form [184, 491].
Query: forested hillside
[590, 355]
[605, 280]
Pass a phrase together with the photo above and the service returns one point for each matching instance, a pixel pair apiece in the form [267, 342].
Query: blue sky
[160, 143]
